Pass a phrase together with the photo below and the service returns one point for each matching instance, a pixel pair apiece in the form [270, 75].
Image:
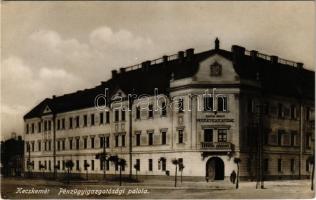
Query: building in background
[12, 155]
[202, 108]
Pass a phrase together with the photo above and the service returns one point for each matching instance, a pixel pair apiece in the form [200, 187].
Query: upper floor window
[58, 124]
[70, 144]
[216, 69]
[116, 141]
[222, 135]
[150, 111]
[70, 122]
[101, 118]
[27, 129]
[137, 139]
[33, 128]
[39, 127]
[92, 119]
[107, 117]
[180, 136]
[163, 137]
[123, 140]
[116, 115]
[123, 115]
[137, 112]
[49, 125]
[85, 142]
[293, 111]
[45, 125]
[222, 103]
[150, 138]
[92, 142]
[280, 111]
[208, 103]
[63, 123]
[85, 120]
[77, 143]
[77, 121]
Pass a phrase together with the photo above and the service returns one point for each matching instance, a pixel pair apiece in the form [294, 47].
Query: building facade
[205, 109]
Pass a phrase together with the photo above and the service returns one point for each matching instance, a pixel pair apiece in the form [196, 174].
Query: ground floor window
[279, 165]
[307, 165]
[77, 165]
[150, 164]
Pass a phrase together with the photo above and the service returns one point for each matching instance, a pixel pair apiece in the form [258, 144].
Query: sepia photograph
[157, 99]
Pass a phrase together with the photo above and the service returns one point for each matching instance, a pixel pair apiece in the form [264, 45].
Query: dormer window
[216, 69]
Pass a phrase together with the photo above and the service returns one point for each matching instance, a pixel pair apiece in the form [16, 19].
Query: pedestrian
[233, 177]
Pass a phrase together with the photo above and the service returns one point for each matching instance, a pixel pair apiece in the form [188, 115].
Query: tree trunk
[175, 177]
[120, 175]
[237, 181]
[312, 181]
[68, 176]
[181, 176]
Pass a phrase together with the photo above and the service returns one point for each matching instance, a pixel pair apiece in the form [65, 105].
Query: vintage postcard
[157, 100]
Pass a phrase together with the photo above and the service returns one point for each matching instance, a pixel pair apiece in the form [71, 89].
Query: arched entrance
[215, 169]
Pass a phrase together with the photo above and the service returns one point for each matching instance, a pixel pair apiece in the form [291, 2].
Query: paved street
[152, 188]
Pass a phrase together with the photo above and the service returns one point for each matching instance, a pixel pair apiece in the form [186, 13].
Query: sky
[53, 48]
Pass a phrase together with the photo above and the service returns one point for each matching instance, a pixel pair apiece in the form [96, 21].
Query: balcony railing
[216, 145]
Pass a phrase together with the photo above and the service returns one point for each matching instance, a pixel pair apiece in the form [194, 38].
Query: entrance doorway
[215, 169]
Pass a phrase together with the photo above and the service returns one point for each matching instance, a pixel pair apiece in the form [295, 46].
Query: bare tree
[181, 167]
[237, 161]
[120, 162]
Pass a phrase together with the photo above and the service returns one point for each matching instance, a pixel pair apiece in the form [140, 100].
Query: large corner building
[205, 108]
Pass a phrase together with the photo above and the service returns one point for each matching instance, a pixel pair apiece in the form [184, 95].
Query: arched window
[222, 103]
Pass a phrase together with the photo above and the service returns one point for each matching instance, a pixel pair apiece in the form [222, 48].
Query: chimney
[190, 53]
[238, 52]
[299, 65]
[54, 96]
[114, 73]
[274, 59]
[216, 43]
[253, 54]
[181, 55]
[165, 58]
[122, 70]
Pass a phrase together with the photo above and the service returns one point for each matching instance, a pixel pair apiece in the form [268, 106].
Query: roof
[276, 78]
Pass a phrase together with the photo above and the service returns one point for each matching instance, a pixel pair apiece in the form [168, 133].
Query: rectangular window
[107, 117]
[77, 121]
[116, 167]
[58, 164]
[92, 119]
[116, 140]
[85, 120]
[180, 136]
[27, 129]
[116, 116]
[85, 142]
[39, 127]
[150, 111]
[70, 122]
[101, 118]
[280, 111]
[92, 165]
[137, 139]
[222, 104]
[107, 142]
[208, 103]
[138, 164]
[32, 127]
[123, 115]
[45, 125]
[251, 106]
[150, 138]
[58, 124]
[58, 145]
[64, 165]
[49, 165]
[49, 145]
[137, 112]
[70, 144]
[85, 165]
[163, 137]
[181, 105]
[63, 123]
[163, 109]
[107, 165]
[208, 135]
[279, 165]
[39, 145]
[92, 143]
[123, 140]
[280, 133]
[150, 164]
[292, 165]
[101, 142]
[77, 143]
[222, 135]
[49, 125]
[77, 165]
[63, 144]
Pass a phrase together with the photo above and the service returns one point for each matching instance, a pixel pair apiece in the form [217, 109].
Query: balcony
[217, 146]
